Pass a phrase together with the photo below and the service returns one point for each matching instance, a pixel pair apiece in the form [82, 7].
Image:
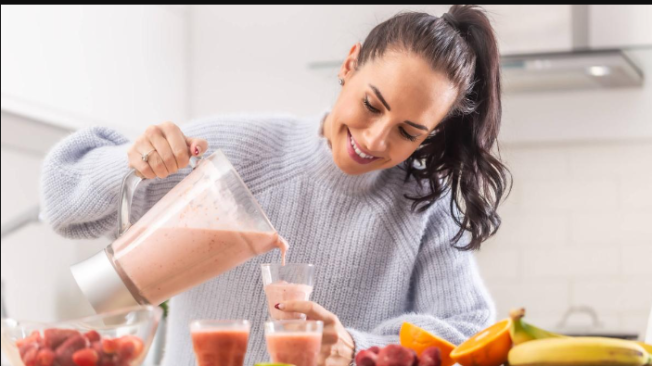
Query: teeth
[357, 150]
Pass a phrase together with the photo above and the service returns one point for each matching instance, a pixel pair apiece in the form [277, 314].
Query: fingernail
[279, 306]
[196, 150]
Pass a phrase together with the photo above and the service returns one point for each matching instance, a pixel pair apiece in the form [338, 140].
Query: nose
[375, 137]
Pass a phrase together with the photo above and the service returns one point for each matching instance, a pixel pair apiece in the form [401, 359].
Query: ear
[350, 63]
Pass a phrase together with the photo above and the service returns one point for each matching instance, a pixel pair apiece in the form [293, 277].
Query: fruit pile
[69, 347]
[397, 355]
[511, 341]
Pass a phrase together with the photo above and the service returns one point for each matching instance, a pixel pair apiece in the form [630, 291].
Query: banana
[648, 347]
[523, 332]
[585, 351]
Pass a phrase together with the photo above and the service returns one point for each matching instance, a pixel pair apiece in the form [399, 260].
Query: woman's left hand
[337, 346]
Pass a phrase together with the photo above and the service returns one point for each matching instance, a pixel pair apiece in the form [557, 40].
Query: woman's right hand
[168, 150]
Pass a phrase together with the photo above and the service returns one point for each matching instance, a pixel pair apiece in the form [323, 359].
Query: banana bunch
[522, 332]
[536, 346]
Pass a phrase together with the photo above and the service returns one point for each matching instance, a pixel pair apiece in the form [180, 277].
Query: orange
[418, 339]
[489, 347]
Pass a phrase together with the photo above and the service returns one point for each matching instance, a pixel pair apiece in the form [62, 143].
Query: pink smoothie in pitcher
[299, 349]
[169, 260]
[220, 347]
[283, 291]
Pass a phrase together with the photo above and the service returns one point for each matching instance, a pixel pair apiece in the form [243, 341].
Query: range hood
[564, 47]
[584, 54]
[556, 71]
[579, 69]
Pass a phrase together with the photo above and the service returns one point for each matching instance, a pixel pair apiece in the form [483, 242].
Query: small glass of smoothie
[295, 342]
[290, 282]
[220, 342]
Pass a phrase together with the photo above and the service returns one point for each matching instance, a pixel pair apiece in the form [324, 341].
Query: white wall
[75, 65]
[35, 260]
[255, 58]
[576, 231]
[70, 67]
[620, 25]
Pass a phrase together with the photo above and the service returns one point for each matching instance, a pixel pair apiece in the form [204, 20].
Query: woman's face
[385, 110]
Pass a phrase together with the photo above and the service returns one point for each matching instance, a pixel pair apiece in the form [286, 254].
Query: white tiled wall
[577, 231]
[35, 260]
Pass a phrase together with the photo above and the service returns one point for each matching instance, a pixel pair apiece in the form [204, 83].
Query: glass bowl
[116, 338]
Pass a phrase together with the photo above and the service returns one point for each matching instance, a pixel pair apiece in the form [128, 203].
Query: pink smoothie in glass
[170, 260]
[283, 291]
[223, 347]
[299, 349]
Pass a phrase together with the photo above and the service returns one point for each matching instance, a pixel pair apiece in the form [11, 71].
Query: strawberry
[92, 336]
[85, 357]
[65, 351]
[130, 344]
[395, 355]
[366, 358]
[126, 351]
[34, 337]
[26, 347]
[97, 346]
[107, 360]
[53, 338]
[110, 346]
[30, 356]
[375, 349]
[45, 357]
[431, 356]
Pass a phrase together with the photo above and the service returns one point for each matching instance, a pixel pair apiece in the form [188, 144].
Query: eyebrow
[382, 100]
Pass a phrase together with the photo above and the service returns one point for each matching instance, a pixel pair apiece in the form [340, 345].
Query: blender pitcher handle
[129, 184]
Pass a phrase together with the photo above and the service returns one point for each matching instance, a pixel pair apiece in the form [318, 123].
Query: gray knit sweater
[378, 263]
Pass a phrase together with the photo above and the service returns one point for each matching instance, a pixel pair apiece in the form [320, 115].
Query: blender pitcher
[206, 225]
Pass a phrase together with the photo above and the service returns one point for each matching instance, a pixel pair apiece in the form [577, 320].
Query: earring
[341, 81]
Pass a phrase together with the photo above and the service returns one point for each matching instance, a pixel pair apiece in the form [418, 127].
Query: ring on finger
[145, 156]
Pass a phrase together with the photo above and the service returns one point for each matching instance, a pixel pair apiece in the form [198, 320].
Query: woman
[386, 193]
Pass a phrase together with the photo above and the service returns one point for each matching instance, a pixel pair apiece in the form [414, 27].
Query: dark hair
[458, 154]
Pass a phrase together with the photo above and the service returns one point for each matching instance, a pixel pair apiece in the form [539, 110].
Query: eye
[369, 106]
[407, 135]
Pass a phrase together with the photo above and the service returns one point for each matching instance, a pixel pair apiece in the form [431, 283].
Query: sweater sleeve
[81, 178]
[80, 182]
[448, 296]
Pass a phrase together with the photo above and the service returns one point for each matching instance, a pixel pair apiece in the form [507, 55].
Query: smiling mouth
[356, 153]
